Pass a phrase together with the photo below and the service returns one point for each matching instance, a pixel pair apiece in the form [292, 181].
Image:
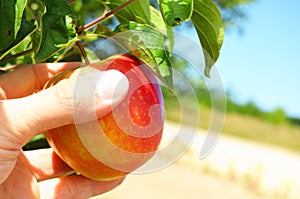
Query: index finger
[27, 79]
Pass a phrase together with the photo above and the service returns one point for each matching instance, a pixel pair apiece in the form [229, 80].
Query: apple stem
[104, 16]
[83, 52]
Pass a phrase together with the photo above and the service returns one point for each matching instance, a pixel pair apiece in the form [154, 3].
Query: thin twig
[104, 16]
[83, 53]
[18, 55]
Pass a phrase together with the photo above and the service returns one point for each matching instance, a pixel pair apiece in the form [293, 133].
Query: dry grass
[249, 127]
[284, 135]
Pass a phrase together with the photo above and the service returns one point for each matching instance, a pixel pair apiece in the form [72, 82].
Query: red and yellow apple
[122, 140]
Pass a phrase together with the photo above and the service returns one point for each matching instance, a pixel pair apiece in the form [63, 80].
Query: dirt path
[235, 169]
[178, 182]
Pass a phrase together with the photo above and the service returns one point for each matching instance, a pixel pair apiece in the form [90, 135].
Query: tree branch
[83, 53]
[104, 16]
[18, 55]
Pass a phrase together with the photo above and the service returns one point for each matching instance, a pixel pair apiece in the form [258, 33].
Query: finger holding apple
[120, 141]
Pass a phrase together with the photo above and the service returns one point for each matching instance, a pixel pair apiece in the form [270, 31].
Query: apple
[122, 140]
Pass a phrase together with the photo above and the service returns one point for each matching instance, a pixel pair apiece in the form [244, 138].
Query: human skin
[39, 173]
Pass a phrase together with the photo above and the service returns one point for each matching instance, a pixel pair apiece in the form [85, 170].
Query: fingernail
[109, 85]
[92, 86]
[112, 85]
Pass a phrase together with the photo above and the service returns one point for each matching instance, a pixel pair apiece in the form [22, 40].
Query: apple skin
[122, 140]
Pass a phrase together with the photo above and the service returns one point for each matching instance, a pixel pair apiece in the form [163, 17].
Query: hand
[41, 173]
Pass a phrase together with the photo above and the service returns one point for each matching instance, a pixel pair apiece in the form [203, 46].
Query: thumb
[90, 95]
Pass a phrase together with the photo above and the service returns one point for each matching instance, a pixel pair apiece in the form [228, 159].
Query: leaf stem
[104, 16]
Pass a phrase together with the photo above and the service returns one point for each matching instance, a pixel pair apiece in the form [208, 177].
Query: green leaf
[158, 22]
[175, 12]
[102, 31]
[138, 11]
[11, 12]
[59, 7]
[19, 9]
[142, 12]
[55, 36]
[58, 30]
[23, 47]
[208, 23]
[26, 29]
[149, 45]
[37, 142]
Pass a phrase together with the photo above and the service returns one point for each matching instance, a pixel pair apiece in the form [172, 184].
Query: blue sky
[262, 65]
